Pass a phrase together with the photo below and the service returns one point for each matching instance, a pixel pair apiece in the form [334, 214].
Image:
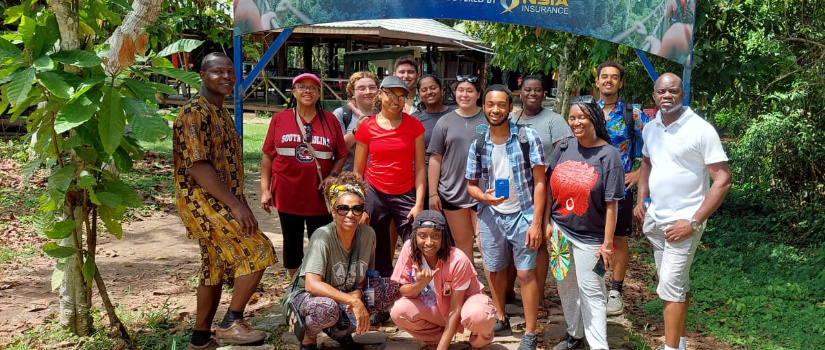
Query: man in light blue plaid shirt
[512, 193]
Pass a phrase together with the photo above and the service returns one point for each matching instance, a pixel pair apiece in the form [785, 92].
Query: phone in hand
[599, 268]
[502, 188]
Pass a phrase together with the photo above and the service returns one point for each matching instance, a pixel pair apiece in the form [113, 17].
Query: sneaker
[379, 318]
[239, 333]
[528, 342]
[569, 343]
[502, 329]
[309, 346]
[349, 343]
[211, 345]
[615, 304]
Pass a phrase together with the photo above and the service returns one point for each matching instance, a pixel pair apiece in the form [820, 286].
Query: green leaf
[137, 108]
[112, 119]
[9, 50]
[58, 251]
[58, 274]
[166, 89]
[141, 90]
[61, 229]
[47, 34]
[42, 220]
[89, 270]
[123, 162]
[86, 180]
[88, 84]
[130, 198]
[190, 78]
[55, 84]
[44, 63]
[26, 29]
[150, 128]
[110, 218]
[60, 180]
[20, 85]
[182, 45]
[77, 112]
[162, 62]
[109, 199]
[78, 58]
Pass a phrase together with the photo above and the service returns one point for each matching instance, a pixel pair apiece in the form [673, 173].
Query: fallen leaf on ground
[171, 290]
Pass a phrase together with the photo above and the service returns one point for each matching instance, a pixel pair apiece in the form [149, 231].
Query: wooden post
[348, 48]
[307, 55]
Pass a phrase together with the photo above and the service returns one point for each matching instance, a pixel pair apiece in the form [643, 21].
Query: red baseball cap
[309, 76]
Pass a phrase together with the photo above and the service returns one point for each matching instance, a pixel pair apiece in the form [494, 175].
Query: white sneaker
[615, 304]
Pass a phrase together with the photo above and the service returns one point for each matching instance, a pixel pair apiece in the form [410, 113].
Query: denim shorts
[502, 235]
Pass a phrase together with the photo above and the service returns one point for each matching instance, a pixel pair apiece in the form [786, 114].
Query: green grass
[751, 292]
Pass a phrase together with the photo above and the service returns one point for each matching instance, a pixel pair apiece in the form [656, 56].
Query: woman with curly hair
[334, 272]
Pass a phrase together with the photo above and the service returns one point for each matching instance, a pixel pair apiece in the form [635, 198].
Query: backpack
[524, 144]
[635, 148]
[347, 116]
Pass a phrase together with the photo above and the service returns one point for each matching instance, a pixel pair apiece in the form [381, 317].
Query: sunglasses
[463, 78]
[356, 210]
[308, 128]
[582, 99]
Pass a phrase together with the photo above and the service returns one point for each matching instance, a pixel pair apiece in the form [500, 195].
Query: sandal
[542, 312]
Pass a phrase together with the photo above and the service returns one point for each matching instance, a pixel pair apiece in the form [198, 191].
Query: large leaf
[150, 128]
[61, 229]
[140, 89]
[129, 196]
[87, 85]
[137, 108]
[111, 219]
[182, 45]
[166, 89]
[109, 199]
[9, 50]
[112, 119]
[190, 78]
[78, 58]
[43, 221]
[89, 270]
[55, 250]
[60, 180]
[77, 112]
[20, 85]
[26, 28]
[55, 84]
[47, 34]
[58, 274]
[123, 162]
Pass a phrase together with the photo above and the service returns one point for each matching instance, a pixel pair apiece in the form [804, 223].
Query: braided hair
[596, 116]
[319, 111]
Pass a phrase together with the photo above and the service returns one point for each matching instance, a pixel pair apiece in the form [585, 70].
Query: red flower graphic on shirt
[571, 183]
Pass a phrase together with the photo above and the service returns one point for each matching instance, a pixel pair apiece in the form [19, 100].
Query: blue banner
[660, 27]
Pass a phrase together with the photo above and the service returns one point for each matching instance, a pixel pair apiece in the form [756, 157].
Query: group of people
[528, 188]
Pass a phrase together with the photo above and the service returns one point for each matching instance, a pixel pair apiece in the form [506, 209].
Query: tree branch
[124, 42]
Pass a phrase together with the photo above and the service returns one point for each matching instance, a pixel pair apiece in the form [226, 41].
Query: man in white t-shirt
[681, 152]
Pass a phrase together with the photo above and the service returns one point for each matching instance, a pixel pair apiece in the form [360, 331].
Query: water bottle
[352, 320]
[369, 292]
[427, 294]
[647, 203]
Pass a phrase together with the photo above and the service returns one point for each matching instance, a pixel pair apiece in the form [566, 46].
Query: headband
[336, 191]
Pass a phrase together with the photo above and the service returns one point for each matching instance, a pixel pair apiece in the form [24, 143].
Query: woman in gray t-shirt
[448, 148]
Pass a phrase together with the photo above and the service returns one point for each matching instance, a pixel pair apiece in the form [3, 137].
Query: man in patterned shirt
[209, 179]
[621, 117]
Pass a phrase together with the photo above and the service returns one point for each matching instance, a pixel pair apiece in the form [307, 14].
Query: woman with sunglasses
[440, 288]
[396, 174]
[452, 136]
[303, 144]
[362, 87]
[339, 296]
[586, 182]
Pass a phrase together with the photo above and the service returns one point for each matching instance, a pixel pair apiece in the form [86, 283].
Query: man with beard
[681, 150]
[624, 125]
[505, 173]
[209, 180]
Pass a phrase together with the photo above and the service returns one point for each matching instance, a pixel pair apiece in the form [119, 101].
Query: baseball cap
[394, 82]
[430, 219]
[309, 76]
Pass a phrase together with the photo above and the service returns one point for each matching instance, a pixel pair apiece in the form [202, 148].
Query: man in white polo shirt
[681, 152]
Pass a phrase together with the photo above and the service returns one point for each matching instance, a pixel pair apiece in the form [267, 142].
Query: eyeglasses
[463, 78]
[308, 128]
[343, 210]
[582, 99]
[302, 88]
[371, 88]
[394, 97]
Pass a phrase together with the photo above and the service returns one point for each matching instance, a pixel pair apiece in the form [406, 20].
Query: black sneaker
[349, 343]
[569, 343]
[379, 318]
[309, 346]
[502, 329]
[528, 342]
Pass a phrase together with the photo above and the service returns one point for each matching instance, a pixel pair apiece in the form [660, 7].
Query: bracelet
[434, 194]
[608, 250]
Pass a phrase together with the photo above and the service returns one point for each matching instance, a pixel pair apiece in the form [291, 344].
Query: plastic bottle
[427, 294]
[352, 320]
[369, 292]
[647, 203]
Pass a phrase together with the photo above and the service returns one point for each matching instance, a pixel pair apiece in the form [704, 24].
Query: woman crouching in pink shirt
[441, 293]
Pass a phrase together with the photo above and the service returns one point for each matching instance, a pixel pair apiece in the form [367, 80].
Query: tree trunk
[131, 38]
[562, 93]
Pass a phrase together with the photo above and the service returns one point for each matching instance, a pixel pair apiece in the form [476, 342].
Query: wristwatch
[694, 224]
[333, 174]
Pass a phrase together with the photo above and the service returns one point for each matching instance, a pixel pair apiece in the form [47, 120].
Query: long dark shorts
[292, 227]
[384, 209]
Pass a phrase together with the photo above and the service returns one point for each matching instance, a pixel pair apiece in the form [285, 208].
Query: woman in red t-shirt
[301, 142]
[396, 173]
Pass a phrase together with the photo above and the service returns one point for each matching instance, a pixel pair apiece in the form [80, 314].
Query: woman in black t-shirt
[586, 181]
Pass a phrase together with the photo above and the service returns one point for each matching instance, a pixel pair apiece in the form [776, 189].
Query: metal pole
[238, 43]
[648, 66]
[279, 41]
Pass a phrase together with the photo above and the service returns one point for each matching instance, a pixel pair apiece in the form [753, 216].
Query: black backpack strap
[481, 143]
[630, 122]
[525, 155]
[347, 116]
